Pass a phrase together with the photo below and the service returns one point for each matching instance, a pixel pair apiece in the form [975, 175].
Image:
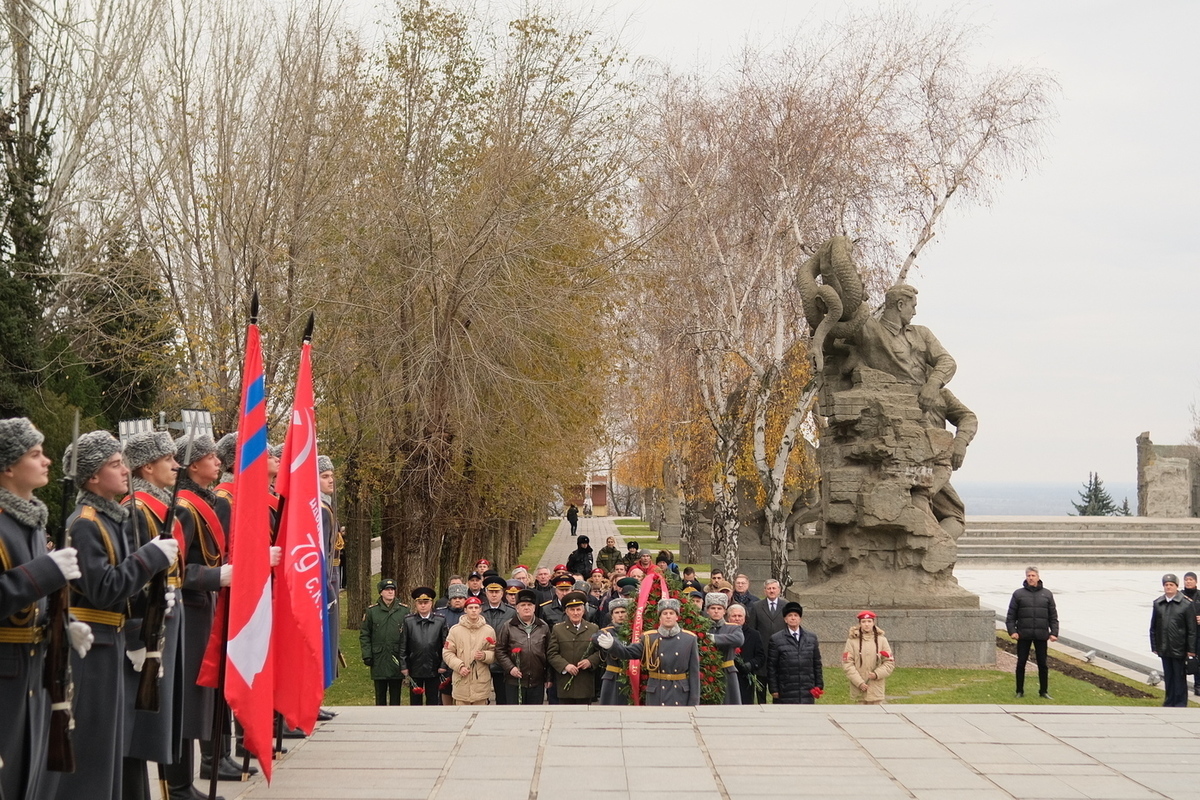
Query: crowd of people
[96, 584]
[559, 636]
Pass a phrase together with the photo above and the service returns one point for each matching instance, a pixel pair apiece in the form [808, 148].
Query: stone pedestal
[920, 637]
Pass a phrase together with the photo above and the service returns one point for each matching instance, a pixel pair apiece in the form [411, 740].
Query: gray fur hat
[581, 586]
[716, 599]
[17, 437]
[618, 602]
[142, 448]
[94, 449]
[203, 446]
[668, 604]
[227, 449]
[456, 590]
[324, 464]
[1170, 578]
[276, 450]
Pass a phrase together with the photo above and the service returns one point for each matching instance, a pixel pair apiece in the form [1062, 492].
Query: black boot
[227, 771]
[179, 777]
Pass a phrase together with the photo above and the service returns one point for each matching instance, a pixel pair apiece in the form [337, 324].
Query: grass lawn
[533, 552]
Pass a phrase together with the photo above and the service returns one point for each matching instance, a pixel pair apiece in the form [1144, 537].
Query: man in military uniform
[27, 575]
[496, 612]
[670, 658]
[728, 638]
[381, 637]
[554, 610]
[331, 539]
[610, 663]
[421, 649]
[204, 520]
[571, 654]
[113, 572]
[152, 735]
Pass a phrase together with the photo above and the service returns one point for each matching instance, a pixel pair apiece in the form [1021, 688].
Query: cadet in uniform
[381, 637]
[27, 575]
[613, 666]
[112, 572]
[670, 658]
[728, 638]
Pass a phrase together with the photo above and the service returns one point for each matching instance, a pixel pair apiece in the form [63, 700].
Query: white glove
[137, 658]
[276, 555]
[81, 637]
[605, 640]
[170, 547]
[67, 561]
[226, 574]
[169, 597]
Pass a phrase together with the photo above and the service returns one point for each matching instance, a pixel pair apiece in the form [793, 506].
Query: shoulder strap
[159, 509]
[206, 512]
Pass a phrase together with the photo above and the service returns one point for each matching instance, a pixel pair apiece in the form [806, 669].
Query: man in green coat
[571, 654]
[380, 635]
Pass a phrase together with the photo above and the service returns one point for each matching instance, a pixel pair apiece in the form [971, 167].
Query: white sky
[1067, 303]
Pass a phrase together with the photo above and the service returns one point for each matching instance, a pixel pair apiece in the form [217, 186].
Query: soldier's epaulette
[88, 513]
[689, 633]
[372, 605]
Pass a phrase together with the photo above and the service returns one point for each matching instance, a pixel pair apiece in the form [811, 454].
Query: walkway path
[741, 753]
[597, 529]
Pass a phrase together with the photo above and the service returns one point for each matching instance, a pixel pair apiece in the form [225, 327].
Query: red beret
[865, 614]
[474, 601]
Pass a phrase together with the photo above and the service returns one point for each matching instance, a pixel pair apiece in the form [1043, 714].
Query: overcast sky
[1068, 302]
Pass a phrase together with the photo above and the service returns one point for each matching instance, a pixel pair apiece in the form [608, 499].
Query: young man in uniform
[611, 665]
[381, 637]
[670, 658]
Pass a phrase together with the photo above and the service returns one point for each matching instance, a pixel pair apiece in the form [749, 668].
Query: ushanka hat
[669, 604]
[324, 464]
[716, 599]
[17, 437]
[202, 446]
[457, 590]
[227, 450]
[147, 446]
[617, 602]
[793, 608]
[94, 449]
[276, 450]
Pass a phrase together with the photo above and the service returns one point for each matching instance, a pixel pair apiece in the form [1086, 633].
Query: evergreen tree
[1124, 510]
[1096, 501]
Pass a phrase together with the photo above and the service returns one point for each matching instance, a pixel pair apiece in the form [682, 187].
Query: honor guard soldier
[571, 654]
[728, 638]
[113, 571]
[204, 519]
[152, 735]
[670, 658]
[610, 690]
[330, 539]
[27, 575]
[421, 651]
[227, 452]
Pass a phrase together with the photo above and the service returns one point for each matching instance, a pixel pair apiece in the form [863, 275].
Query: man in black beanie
[113, 571]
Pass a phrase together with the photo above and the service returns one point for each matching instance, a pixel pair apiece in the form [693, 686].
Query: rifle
[154, 623]
[56, 673]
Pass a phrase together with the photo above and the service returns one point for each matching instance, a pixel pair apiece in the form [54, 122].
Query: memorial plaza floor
[736, 752]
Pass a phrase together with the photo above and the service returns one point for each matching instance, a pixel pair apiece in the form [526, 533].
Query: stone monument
[888, 518]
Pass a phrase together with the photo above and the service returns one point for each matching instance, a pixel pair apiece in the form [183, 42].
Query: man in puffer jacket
[1173, 639]
[794, 670]
[1032, 621]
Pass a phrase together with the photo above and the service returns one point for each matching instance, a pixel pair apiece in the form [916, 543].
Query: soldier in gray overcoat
[728, 638]
[27, 575]
[670, 658]
[610, 664]
[113, 571]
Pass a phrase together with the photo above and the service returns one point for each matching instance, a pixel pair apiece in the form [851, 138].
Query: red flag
[249, 674]
[299, 604]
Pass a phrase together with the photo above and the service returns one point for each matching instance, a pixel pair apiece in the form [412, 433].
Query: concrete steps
[1089, 542]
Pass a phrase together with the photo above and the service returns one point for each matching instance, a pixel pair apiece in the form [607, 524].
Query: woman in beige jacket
[470, 650]
[867, 660]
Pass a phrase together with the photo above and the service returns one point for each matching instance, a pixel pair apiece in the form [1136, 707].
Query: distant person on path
[1032, 621]
[1173, 639]
[608, 556]
[573, 518]
[1191, 593]
[580, 562]
[380, 637]
[794, 670]
[867, 660]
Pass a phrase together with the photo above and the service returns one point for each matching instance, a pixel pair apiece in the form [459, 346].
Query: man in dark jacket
[1032, 621]
[573, 518]
[521, 649]
[380, 636]
[1173, 639]
[580, 562]
[794, 661]
[750, 659]
[766, 617]
[1192, 592]
[421, 649]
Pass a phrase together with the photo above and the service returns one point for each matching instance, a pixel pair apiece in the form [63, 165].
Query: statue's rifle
[56, 674]
[154, 623]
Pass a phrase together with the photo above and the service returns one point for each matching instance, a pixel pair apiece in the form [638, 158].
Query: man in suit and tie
[766, 617]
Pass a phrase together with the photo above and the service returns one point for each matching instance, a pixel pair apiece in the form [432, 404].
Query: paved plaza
[741, 753]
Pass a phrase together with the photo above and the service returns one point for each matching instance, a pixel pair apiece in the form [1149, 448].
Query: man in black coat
[421, 649]
[794, 661]
[581, 560]
[1033, 621]
[751, 658]
[766, 618]
[1173, 639]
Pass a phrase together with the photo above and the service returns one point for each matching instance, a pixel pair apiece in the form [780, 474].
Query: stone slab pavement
[597, 529]
[740, 753]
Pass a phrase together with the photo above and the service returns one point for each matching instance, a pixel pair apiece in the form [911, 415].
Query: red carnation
[418, 690]
[738, 651]
[490, 640]
[516, 651]
[885, 654]
[816, 692]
